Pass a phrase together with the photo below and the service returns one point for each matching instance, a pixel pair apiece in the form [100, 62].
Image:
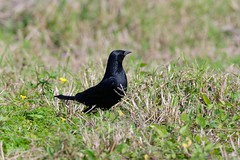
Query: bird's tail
[65, 97]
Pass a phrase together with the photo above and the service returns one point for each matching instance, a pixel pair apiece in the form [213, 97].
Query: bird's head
[114, 64]
[118, 55]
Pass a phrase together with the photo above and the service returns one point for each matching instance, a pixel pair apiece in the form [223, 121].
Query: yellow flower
[23, 97]
[63, 80]
[184, 145]
[120, 113]
[146, 157]
[188, 143]
[63, 119]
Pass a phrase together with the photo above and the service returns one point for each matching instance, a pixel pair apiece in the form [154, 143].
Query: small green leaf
[184, 130]
[206, 99]
[198, 138]
[160, 129]
[235, 117]
[142, 64]
[37, 116]
[201, 121]
[90, 154]
[223, 114]
[2, 118]
[209, 147]
[50, 150]
[122, 148]
[185, 117]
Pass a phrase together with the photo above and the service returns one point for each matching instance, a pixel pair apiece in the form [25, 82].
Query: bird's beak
[127, 52]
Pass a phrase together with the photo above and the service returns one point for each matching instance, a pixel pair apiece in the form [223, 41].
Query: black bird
[110, 90]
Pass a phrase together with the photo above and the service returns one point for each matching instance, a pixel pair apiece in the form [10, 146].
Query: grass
[183, 97]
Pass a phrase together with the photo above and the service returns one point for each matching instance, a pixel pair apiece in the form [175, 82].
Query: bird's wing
[103, 89]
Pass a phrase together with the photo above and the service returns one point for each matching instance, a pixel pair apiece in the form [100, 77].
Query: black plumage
[111, 88]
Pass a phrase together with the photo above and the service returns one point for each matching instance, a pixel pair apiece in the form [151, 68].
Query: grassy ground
[184, 84]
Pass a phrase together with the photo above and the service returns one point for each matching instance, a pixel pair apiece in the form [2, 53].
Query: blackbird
[110, 90]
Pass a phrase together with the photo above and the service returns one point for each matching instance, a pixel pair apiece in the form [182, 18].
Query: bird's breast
[121, 84]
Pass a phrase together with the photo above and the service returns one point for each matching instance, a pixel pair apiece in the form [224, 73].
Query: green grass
[183, 97]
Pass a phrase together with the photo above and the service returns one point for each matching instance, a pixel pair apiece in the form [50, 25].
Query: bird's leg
[88, 109]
